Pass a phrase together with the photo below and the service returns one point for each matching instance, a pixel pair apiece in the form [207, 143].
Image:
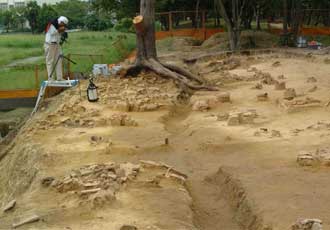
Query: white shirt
[53, 35]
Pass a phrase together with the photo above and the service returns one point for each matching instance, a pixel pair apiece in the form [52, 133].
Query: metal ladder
[45, 84]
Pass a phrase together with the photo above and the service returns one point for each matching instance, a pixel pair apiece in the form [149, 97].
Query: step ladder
[45, 84]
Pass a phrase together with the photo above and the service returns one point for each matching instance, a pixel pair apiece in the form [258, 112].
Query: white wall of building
[5, 4]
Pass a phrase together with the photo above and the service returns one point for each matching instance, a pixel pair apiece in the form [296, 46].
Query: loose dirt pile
[249, 40]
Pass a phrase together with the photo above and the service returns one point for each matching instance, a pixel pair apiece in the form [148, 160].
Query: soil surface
[213, 160]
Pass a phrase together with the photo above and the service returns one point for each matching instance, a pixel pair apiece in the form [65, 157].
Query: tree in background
[232, 14]
[121, 8]
[74, 10]
[7, 19]
[20, 18]
[95, 22]
[46, 14]
[32, 11]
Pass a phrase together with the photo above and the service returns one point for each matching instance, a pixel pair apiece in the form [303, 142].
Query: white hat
[63, 19]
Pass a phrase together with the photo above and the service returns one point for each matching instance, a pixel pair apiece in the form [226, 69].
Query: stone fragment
[28, 220]
[223, 97]
[89, 191]
[311, 80]
[150, 163]
[276, 133]
[9, 206]
[149, 107]
[128, 227]
[262, 97]
[306, 159]
[323, 156]
[222, 117]
[290, 94]
[179, 178]
[129, 169]
[122, 120]
[102, 197]
[201, 105]
[252, 69]
[317, 226]
[257, 86]
[313, 89]
[234, 120]
[276, 64]
[47, 181]
[247, 118]
[96, 139]
[280, 85]
[307, 224]
[268, 79]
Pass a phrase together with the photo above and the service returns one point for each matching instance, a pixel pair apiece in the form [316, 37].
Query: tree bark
[258, 11]
[147, 53]
[197, 13]
[146, 40]
[297, 20]
[285, 21]
[233, 24]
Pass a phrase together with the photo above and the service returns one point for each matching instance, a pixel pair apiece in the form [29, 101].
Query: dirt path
[29, 60]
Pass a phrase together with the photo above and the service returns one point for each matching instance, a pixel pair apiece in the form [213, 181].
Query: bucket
[301, 42]
[101, 69]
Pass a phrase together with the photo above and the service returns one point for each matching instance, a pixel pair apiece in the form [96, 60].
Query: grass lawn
[113, 46]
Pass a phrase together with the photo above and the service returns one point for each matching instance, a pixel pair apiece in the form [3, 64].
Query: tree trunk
[285, 21]
[258, 17]
[146, 40]
[147, 53]
[197, 13]
[232, 26]
[297, 20]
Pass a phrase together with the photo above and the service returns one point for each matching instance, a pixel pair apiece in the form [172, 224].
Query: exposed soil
[219, 164]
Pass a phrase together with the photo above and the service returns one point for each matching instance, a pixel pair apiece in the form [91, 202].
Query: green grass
[11, 79]
[20, 46]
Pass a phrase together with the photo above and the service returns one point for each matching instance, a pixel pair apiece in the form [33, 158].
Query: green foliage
[31, 13]
[122, 8]
[7, 19]
[158, 26]
[96, 23]
[124, 25]
[75, 10]
[46, 14]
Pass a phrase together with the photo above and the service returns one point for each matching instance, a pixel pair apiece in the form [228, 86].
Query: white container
[101, 69]
[301, 42]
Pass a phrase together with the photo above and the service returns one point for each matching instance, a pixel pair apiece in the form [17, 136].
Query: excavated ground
[239, 156]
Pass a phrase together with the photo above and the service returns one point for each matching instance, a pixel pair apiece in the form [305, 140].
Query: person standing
[54, 31]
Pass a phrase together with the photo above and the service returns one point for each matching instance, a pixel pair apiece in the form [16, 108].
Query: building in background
[7, 4]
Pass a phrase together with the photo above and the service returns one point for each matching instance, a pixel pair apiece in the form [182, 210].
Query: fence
[312, 22]
[28, 78]
[186, 23]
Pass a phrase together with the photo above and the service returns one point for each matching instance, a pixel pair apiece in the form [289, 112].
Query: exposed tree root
[181, 76]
